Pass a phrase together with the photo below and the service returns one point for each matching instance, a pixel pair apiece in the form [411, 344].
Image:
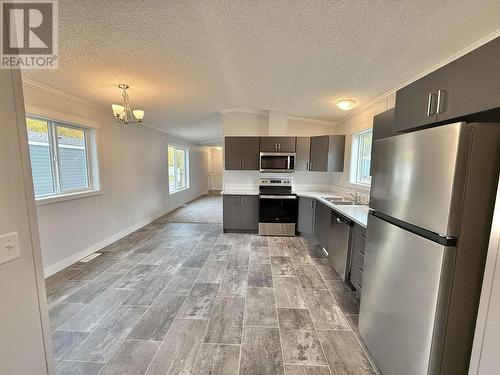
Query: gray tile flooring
[184, 298]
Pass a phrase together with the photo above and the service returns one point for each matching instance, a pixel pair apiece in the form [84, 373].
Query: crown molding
[41, 86]
[244, 110]
[392, 92]
[310, 120]
[171, 134]
[211, 142]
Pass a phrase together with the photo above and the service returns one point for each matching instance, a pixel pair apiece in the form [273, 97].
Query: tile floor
[184, 298]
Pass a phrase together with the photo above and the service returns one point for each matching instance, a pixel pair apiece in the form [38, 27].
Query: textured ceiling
[185, 60]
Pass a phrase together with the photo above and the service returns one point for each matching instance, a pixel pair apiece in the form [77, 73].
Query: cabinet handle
[242, 164]
[279, 146]
[430, 101]
[440, 100]
[307, 166]
[339, 221]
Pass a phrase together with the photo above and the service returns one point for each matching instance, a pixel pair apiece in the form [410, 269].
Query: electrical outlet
[9, 247]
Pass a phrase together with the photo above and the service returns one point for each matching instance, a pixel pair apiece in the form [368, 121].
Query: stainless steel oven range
[278, 207]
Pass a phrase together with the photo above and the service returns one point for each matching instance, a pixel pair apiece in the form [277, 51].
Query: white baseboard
[66, 262]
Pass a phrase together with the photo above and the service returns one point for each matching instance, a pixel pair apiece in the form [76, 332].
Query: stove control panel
[274, 181]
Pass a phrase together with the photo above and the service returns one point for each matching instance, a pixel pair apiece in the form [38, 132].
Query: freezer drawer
[418, 177]
[405, 292]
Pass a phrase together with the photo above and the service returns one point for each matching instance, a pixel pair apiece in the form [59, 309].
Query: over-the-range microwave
[277, 161]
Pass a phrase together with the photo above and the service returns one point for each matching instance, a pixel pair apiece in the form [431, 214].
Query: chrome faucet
[355, 197]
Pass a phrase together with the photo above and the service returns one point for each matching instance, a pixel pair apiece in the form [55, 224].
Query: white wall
[359, 121]
[133, 168]
[24, 337]
[216, 168]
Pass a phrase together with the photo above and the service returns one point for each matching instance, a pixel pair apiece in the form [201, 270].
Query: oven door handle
[277, 196]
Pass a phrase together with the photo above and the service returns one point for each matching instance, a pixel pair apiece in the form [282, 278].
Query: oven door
[277, 215]
[277, 162]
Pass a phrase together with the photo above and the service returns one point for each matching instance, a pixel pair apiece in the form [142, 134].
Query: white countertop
[359, 214]
[240, 192]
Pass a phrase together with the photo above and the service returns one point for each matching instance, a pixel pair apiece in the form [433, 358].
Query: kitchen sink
[339, 201]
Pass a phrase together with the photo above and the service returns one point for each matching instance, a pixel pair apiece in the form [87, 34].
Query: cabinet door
[471, 84]
[277, 144]
[241, 153]
[250, 212]
[305, 224]
[383, 127]
[416, 103]
[319, 154]
[336, 149]
[240, 212]
[231, 215]
[322, 223]
[303, 153]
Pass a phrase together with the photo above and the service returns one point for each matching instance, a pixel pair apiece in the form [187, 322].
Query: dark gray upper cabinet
[303, 153]
[240, 213]
[416, 103]
[327, 153]
[471, 84]
[466, 86]
[322, 223]
[277, 144]
[241, 153]
[305, 223]
[383, 127]
[336, 150]
[319, 154]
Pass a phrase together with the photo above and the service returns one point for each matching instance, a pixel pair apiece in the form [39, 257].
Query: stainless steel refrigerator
[431, 204]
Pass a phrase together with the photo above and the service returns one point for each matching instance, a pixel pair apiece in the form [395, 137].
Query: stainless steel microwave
[277, 161]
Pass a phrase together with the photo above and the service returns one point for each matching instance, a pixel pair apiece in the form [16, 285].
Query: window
[61, 158]
[178, 162]
[361, 158]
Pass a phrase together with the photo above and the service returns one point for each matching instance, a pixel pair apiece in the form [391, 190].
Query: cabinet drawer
[357, 260]
[358, 243]
[356, 279]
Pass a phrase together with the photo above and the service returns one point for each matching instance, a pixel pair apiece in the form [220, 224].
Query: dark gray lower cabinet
[240, 213]
[358, 239]
[305, 223]
[322, 224]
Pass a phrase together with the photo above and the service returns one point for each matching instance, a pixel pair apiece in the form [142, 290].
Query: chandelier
[124, 113]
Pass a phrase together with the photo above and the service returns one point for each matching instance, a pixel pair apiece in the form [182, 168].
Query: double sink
[341, 201]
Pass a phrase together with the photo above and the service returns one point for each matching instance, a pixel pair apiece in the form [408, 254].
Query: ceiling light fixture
[346, 104]
[124, 113]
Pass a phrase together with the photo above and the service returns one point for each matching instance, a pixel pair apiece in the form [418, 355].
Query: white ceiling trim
[442, 63]
[244, 110]
[310, 120]
[51, 90]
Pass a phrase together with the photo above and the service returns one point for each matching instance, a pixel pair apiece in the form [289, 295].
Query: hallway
[185, 298]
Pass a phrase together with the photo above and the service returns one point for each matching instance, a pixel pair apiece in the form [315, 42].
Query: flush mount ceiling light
[346, 104]
[124, 113]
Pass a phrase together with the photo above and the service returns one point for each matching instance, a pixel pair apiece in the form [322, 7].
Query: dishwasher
[338, 249]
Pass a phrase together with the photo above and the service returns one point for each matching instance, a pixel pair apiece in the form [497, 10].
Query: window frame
[91, 159]
[185, 150]
[354, 178]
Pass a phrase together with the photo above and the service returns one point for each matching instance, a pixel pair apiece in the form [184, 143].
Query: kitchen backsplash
[302, 181]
